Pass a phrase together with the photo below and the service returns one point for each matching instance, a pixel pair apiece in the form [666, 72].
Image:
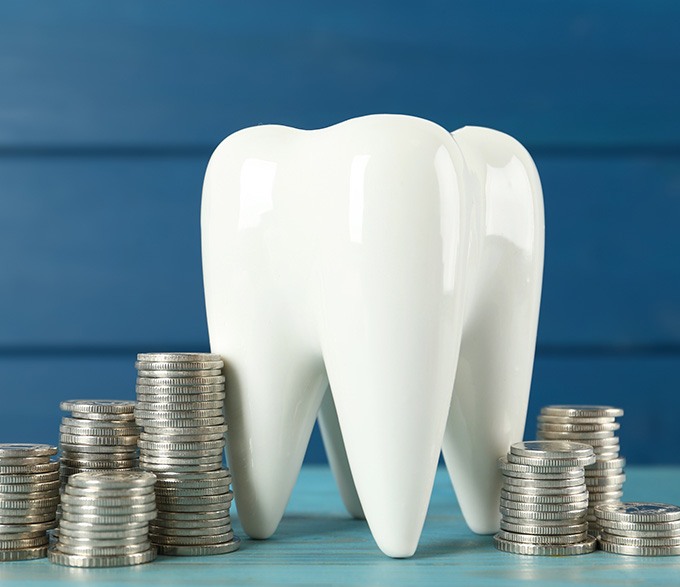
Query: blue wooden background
[109, 112]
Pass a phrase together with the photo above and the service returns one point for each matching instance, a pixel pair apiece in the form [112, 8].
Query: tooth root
[488, 408]
[337, 456]
[390, 332]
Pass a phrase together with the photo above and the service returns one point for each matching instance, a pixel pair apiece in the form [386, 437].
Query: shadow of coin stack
[544, 499]
[180, 400]
[29, 494]
[595, 426]
[105, 520]
[100, 434]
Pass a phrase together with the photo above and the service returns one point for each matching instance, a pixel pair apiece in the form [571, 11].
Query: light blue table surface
[317, 544]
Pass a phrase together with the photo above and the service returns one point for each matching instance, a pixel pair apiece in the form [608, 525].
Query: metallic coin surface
[617, 527]
[587, 546]
[23, 554]
[506, 493]
[639, 550]
[70, 560]
[13, 450]
[638, 512]
[111, 480]
[204, 550]
[180, 381]
[543, 538]
[550, 449]
[178, 357]
[636, 541]
[567, 462]
[177, 365]
[576, 411]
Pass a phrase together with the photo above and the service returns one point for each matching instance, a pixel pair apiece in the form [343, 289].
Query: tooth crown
[370, 255]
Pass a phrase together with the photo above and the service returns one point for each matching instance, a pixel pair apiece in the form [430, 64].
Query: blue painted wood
[131, 73]
[646, 387]
[105, 252]
[317, 544]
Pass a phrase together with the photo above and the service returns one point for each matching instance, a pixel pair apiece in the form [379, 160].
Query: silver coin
[111, 480]
[632, 541]
[24, 450]
[107, 502]
[574, 514]
[49, 467]
[114, 536]
[102, 417]
[182, 478]
[575, 427]
[97, 529]
[567, 463]
[178, 357]
[530, 490]
[543, 538]
[24, 461]
[515, 470]
[204, 550]
[108, 519]
[593, 490]
[173, 423]
[547, 483]
[596, 473]
[622, 527]
[31, 498]
[178, 365]
[104, 449]
[69, 560]
[543, 507]
[78, 431]
[605, 452]
[68, 548]
[196, 523]
[28, 488]
[97, 540]
[530, 498]
[178, 459]
[19, 503]
[576, 411]
[80, 423]
[169, 516]
[104, 406]
[584, 437]
[83, 440]
[543, 418]
[192, 429]
[150, 374]
[28, 479]
[202, 436]
[193, 488]
[75, 507]
[24, 543]
[204, 531]
[174, 393]
[180, 381]
[191, 540]
[183, 455]
[527, 521]
[23, 554]
[178, 415]
[157, 468]
[608, 442]
[219, 499]
[638, 512]
[189, 492]
[98, 465]
[639, 550]
[605, 480]
[26, 528]
[550, 449]
[182, 446]
[587, 546]
[173, 406]
[22, 518]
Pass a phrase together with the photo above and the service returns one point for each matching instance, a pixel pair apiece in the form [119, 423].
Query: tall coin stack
[105, 520]
[29, 494]
[596, 426]
[639, 529]
[544, 499]
[180, 400]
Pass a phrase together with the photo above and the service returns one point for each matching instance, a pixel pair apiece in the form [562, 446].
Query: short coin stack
[544, 499]
[596, 426]
[29, 494]
[180, 399]
[99, 434]
[105, 520]
[639, 529]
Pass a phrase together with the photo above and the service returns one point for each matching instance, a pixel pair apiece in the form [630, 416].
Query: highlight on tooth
[383, 275]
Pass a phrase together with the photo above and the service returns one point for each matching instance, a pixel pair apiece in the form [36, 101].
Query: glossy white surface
[361, 255]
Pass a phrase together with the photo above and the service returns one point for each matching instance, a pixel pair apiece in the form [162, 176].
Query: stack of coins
[596, 426]
[99, 435]
[544, 499]
[105, 520]
[29, 494]
[180, 399]
[639, 529]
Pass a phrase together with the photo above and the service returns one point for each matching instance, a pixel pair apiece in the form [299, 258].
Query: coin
[149, 374]
[180, 381]
[209, 525]
[23, 554]
[543, 507]
[575, 411]
[111, 480]
[636, 541]
[103, 417]
[543, 538]
[167, 393]
[547, 483]
[177, 366]
[70, 560]
[178, 357]
[584, 437]
[24, 543]
[171, 415]
[82, 440]
[587, 546]
[546, 462]
[639, 550]
[538, 498]
[204, 550]
[620, 527]
[550, 449]
[638, 512]
[14, 450]
[190, 516]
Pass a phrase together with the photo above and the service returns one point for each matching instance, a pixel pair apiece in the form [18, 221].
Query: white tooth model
[385, 275]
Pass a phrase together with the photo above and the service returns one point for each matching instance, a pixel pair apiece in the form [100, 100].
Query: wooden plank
[599, 75]
[33, 386]
[105, 252]
[317, 544]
